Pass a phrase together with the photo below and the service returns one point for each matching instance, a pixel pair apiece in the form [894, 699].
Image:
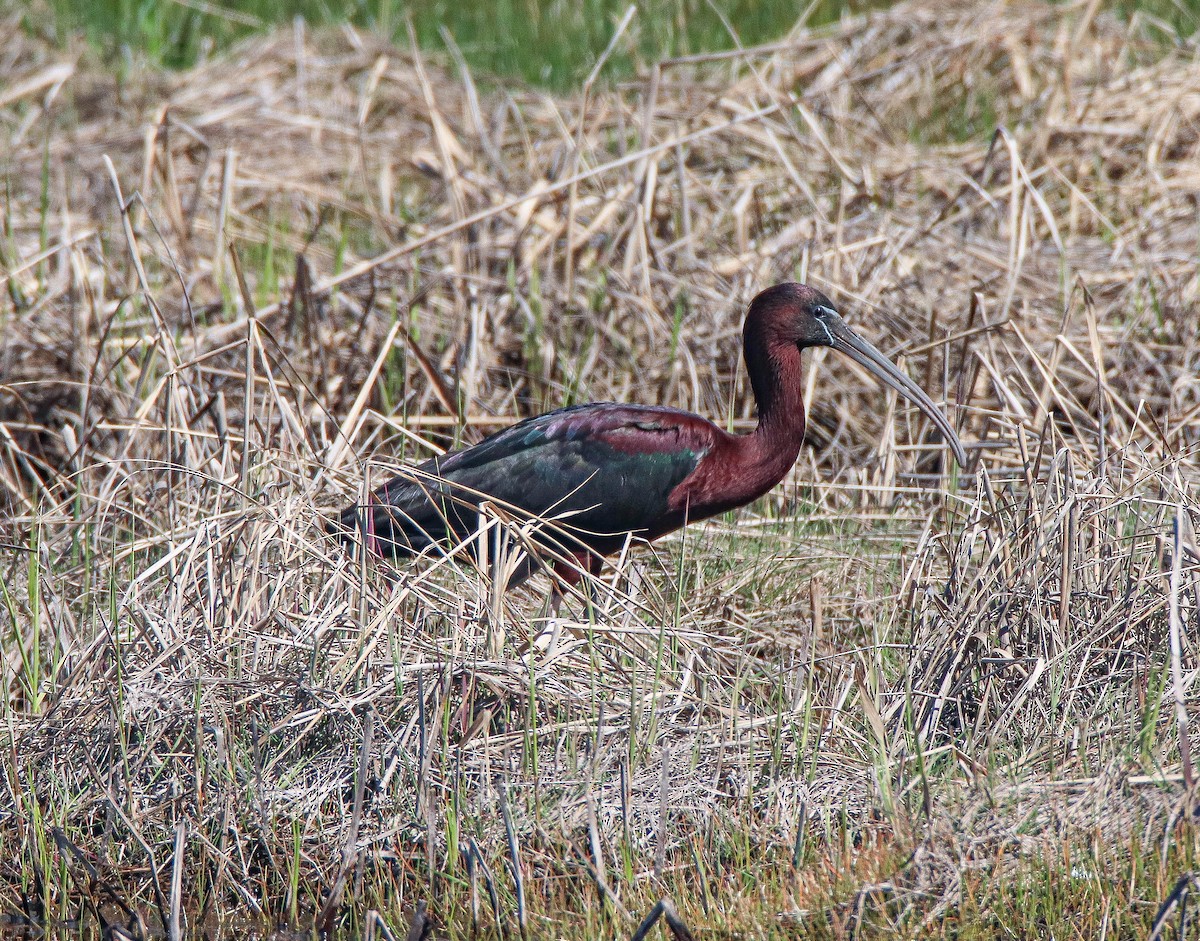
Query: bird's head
[796, 313]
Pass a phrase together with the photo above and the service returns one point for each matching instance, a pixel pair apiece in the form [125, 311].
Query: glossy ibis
[604, 471]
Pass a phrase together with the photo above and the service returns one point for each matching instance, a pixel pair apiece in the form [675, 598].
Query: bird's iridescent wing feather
[600, 471]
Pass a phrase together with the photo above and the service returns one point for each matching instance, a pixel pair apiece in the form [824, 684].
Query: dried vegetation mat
[892, 698]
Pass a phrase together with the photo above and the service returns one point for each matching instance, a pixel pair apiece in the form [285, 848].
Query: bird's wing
[600, 470]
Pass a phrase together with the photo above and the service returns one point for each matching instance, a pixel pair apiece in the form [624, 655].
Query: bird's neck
[762, 458]
[778, 390]
[741, 468]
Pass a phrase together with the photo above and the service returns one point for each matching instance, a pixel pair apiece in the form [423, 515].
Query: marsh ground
[893, 698]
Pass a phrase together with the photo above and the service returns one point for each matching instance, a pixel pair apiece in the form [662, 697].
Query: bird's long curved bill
[846, 341]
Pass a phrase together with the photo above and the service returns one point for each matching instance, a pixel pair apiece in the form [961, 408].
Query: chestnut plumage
[603, 471]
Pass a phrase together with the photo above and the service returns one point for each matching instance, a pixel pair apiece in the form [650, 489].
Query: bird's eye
[824, 311]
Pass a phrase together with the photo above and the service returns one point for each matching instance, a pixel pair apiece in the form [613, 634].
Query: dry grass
[891, 698]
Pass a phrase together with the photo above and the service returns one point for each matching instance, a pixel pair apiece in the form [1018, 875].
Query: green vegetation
[1172, 20]
[554, 43]
[894, 699]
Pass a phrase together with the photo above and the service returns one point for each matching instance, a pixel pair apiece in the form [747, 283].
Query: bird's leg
[564, 576]
[555, 624]
[593, 564]
[491, 548]
[547, 638]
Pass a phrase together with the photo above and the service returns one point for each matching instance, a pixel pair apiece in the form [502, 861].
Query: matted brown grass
[887, 688]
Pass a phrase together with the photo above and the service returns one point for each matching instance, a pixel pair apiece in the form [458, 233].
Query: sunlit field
[893, 698]
[551, 43]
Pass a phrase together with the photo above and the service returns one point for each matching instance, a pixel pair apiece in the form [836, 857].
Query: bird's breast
[739, 470]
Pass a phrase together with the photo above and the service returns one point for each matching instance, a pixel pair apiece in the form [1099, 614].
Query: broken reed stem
[660, 849]
[329, 910]
[514, 853]
[1176, 622]
[664, 909]
[175, 924]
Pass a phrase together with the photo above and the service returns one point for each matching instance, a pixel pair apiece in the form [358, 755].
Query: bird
[603, 472]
